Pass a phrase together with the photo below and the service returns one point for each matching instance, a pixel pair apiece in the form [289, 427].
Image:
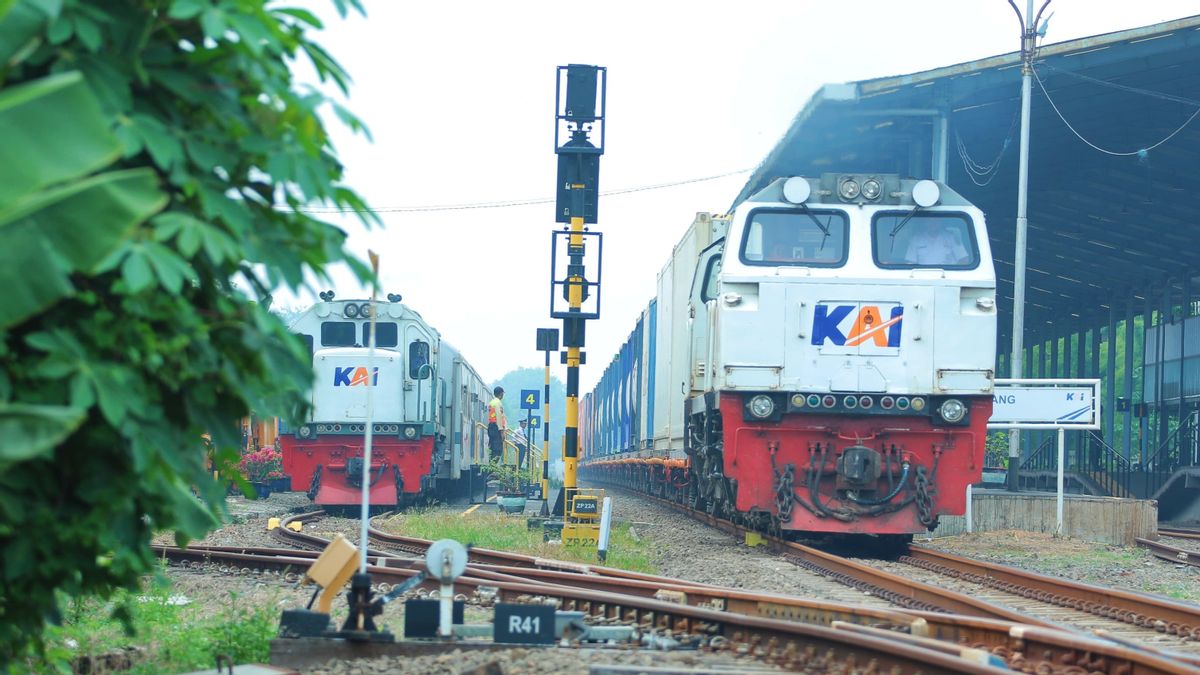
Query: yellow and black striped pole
[573, 337]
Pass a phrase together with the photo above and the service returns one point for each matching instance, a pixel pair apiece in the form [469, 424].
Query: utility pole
[1028, 48]
[577, 192]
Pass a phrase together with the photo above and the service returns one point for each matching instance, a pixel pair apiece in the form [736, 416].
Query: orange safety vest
[496, 412]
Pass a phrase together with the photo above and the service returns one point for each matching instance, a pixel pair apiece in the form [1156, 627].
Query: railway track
[721, 618]
[1000, 592]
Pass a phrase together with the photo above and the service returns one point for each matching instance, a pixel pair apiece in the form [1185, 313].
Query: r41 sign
[524, 624]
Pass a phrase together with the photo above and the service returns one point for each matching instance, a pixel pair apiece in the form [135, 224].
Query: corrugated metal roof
[1101, 227]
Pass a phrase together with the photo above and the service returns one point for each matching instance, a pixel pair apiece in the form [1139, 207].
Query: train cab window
[308, 343]
[712, 279]
[810, 238]
[942, 240]
[387, 337]
[338, 334]
[418, 358]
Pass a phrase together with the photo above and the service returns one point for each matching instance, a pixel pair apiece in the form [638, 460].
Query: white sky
[459, 97]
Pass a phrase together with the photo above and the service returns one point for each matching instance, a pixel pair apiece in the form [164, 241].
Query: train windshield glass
[906, 240]
[787, 237]
[387, 338]
[338, 334]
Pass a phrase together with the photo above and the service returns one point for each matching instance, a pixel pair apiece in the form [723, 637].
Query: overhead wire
[512, 202]
[1141, 152]
[985, 172]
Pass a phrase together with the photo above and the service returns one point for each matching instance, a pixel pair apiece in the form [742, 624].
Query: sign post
[529, 403]
[1058, 404]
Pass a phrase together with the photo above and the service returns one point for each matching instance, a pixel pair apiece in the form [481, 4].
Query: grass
[171, 638]
[510, 533]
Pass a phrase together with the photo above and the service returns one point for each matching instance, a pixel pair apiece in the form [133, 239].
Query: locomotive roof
[1101, 227]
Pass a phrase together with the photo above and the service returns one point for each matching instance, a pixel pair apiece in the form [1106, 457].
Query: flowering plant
[261, 464]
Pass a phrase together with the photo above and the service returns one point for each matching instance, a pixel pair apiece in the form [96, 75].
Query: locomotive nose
[858, 465]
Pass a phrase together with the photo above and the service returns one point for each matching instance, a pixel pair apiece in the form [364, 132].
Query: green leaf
[19, 27]
[170, 269]
[164, 148]
[301, 14]
[214, 24]
[68, 229]
[30, 431]
[52, 131]
[88, 32]
[136, 271]
[187, 9]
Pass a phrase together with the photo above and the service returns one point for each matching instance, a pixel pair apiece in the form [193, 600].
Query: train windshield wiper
[824, 228]
[900, 225]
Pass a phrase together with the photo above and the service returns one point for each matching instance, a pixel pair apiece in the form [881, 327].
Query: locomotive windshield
[908, 240]
[787, 237]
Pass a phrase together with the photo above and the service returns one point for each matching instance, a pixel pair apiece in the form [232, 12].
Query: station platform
[1110, 520]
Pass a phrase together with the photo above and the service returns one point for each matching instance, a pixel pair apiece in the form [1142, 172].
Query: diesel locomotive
[821, 360]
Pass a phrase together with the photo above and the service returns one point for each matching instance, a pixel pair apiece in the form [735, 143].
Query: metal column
[1028, 42]
[1110, 377]
[1127, 386]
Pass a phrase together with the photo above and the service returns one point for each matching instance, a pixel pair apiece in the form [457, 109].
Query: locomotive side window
[907, 240]
[809, 238]
[712, 279]
[418, 357]
[338, 334]
[387, 337]
[308, 342]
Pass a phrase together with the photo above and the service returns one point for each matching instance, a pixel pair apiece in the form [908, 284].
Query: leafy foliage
[158, 329]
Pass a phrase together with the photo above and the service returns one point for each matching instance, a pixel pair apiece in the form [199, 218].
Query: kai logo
[840, 327]
[353, 377]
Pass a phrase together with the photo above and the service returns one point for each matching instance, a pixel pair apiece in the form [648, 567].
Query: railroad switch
[332, 569]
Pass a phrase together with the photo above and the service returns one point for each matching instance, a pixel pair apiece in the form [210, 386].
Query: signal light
[918, 404]
[798, 400]
[814, 400]
[865, 402]
[849, 402]
[829, 401]
[902, 403]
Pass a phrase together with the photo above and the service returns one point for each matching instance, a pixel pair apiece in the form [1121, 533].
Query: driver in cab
[932, 243]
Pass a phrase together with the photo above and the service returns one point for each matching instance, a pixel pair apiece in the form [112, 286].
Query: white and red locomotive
[820, 360]
[429, 407]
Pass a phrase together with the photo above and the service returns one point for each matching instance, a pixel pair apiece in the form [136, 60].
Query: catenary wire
[1140, 152]
[514, 202]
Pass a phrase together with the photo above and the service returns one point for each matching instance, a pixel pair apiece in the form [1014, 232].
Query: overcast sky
[459, 97]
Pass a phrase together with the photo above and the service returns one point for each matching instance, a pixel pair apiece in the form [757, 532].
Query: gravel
[517, 661]
[1130, 568]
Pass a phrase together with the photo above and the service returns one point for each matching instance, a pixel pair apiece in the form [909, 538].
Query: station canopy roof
[1103, 228]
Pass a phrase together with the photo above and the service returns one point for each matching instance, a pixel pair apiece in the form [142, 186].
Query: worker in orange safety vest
[497, 423]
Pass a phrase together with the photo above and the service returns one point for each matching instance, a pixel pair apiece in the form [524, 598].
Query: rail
[745, 622]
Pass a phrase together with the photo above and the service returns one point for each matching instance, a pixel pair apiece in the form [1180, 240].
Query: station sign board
[1054, 403]
[530, 399]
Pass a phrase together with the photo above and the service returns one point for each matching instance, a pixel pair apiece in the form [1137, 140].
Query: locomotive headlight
[410, 432]
[364, 310]
[350, 310]
[952, 410]
[304, 431]
[871, 189]
[762, 406]
[848, 189]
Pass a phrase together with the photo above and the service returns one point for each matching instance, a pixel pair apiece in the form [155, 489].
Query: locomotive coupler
[858, 468]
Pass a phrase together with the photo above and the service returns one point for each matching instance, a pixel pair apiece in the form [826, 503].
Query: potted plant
[260, 467]
[509, 496]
